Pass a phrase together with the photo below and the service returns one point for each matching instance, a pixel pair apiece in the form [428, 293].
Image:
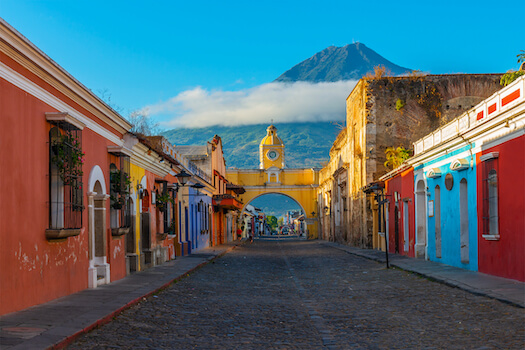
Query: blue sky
[150, 53]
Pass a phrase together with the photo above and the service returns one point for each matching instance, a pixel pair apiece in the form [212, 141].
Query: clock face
[272, 155]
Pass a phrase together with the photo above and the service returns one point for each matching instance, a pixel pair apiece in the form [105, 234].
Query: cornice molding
[142, 159]
[45, 96]
[25, 53]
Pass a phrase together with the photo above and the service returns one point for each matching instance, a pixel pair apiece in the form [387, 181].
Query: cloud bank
[282, 102]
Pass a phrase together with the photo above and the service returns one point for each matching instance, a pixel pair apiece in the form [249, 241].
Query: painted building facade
[387, 112]
[468, 180]
[55, 159]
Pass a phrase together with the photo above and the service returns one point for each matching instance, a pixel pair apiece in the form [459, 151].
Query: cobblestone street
[283, 295]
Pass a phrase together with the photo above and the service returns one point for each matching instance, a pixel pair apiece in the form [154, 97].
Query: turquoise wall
[450, 215]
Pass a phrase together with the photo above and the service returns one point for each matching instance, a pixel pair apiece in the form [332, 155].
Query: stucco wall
[505, 257]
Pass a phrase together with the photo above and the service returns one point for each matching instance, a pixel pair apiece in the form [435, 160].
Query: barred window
[120, 187]
[65, 177]
[490, 197]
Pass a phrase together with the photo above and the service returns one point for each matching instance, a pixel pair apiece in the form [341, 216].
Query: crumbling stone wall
[396, 111]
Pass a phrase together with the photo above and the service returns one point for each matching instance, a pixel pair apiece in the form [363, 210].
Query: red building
[399, 210]
[55, 161]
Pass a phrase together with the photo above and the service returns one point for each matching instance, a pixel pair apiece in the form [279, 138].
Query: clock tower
[271, 150]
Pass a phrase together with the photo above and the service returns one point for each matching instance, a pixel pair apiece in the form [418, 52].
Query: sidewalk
[56, 323]
[502, 289]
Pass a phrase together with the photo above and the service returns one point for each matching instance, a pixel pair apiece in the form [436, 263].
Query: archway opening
[274, 214]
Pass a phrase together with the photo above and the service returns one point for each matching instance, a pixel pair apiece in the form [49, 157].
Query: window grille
[490, 197]
[66, 202]
[120, 182]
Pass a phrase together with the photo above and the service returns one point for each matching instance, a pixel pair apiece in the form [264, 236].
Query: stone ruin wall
[374, 124]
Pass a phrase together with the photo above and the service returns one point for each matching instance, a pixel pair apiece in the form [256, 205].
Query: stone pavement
[502, 289]
[56, 323]
[304, 295]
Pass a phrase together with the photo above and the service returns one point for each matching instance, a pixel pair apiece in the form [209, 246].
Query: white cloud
[282, 102]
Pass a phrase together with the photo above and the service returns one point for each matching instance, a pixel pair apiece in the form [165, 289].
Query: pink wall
[505, 257]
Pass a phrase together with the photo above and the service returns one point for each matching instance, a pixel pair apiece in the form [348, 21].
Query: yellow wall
[299, 184]
[136, 174]
[267, 163]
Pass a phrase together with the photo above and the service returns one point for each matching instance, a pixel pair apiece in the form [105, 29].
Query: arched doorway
[421, 219]
[99, 269]
[279, 214]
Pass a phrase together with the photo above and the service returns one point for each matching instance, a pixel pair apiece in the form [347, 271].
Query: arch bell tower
[271, 151]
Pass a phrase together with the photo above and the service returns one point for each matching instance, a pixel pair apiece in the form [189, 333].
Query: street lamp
[183, 177]
[376, 188]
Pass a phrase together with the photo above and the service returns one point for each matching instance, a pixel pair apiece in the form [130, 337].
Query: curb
[455, 284]
[68, 340]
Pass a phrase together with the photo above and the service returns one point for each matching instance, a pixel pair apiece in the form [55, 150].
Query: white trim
[118, 149]
[95, 175]
[33, 89]
[491, 237]
[434, 173]
[29, 56]
[488, 156]
[448, 160]
[64, 117]
[459, 164]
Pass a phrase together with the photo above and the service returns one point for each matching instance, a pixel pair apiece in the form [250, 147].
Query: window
[490, 199]
[120, 187]
[65, 177]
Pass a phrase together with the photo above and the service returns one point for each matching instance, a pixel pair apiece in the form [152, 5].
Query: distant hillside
[275, 204]
[339, 63]
[306, 144]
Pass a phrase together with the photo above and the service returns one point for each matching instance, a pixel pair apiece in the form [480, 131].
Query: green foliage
[119, 188]
[400, 104]
[509, 77]
[307, 144]
[521, 56]
[68, 157]
[162, 200]
[396, 156]
[272, 222]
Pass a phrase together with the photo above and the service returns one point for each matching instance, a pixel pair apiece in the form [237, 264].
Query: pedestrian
[239, 233]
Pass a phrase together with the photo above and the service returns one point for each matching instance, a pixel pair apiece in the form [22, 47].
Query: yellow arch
[298, 184]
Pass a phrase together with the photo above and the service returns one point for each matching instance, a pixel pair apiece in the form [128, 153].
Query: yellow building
[273, 177]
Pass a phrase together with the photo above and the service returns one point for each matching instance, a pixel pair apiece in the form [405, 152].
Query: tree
[272, 221]
[511, 75]
[143, 124]
[396, 156]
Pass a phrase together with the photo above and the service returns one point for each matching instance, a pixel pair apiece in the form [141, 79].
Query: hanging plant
[68, 157]
[162, 200]
[120, 183]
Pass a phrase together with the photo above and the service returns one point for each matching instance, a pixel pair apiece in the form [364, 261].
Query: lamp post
[376, 188]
